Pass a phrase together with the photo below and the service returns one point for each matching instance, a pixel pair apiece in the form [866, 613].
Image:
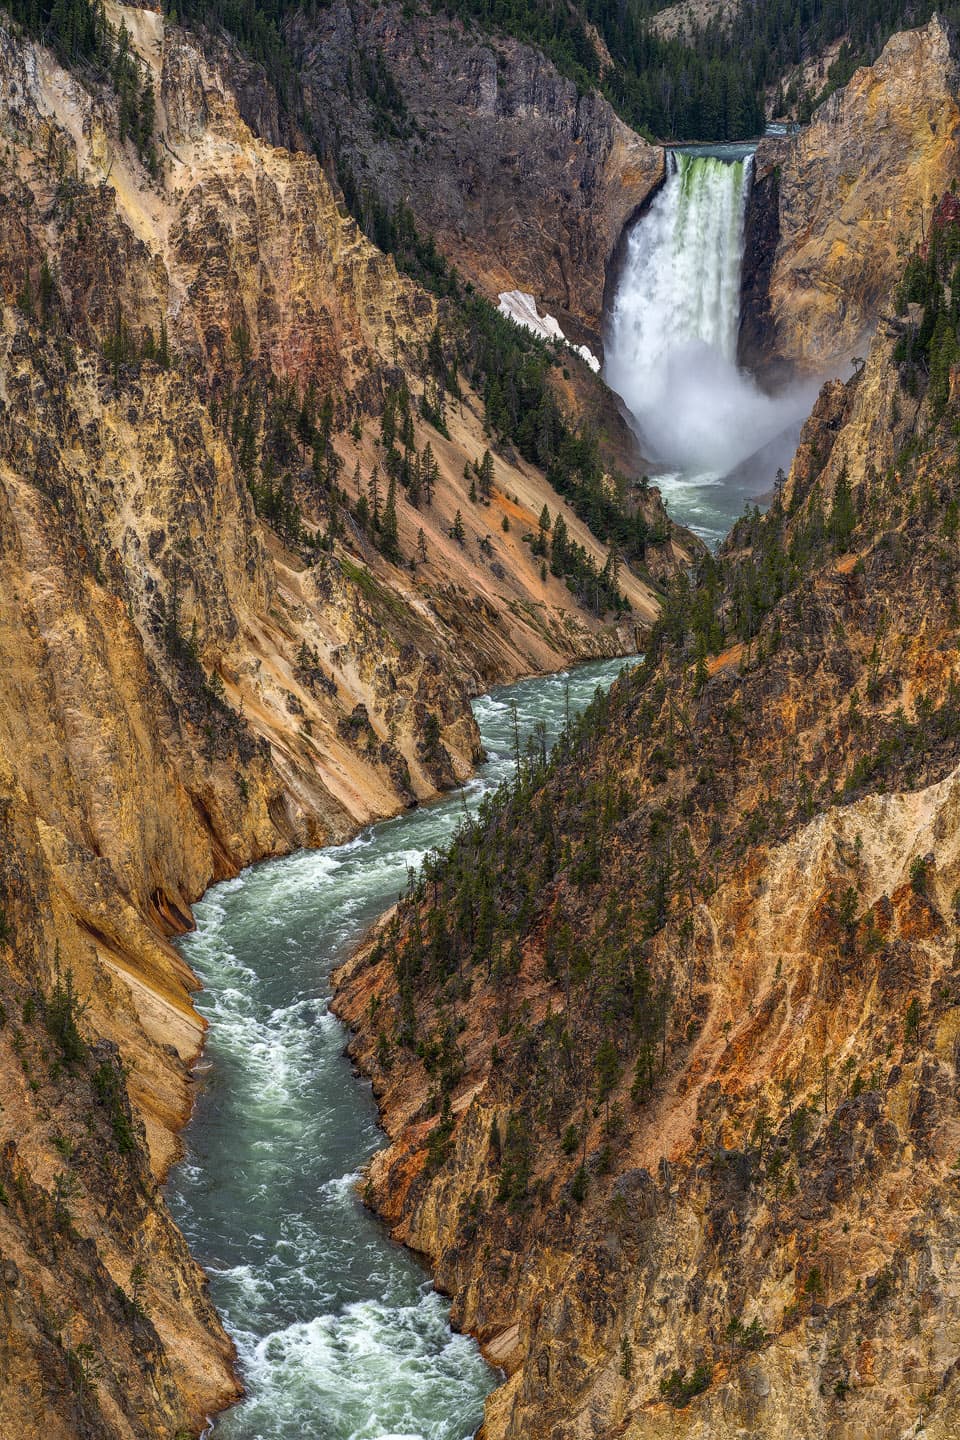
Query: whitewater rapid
[713, 437]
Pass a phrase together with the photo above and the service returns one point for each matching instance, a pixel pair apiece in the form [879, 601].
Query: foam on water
[339, 1334]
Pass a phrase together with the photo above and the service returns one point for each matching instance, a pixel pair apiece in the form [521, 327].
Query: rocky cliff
[206, 658]
[836, 208]
[667, 1050]
[523, 183]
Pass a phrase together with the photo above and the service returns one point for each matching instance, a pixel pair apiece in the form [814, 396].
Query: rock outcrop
[684, 19]
[522, 183]
[836, 207]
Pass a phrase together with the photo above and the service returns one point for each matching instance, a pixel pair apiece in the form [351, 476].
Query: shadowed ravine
[339, 1332]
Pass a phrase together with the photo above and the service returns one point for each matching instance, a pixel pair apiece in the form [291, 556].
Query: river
[339, 1332]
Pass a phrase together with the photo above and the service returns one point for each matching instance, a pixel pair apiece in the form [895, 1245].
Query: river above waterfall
[339, 1332]
[714, 438]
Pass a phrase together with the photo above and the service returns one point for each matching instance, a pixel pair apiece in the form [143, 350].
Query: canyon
[736, 1210]
[205, 367]
[186, 687]
[524, 183]
[665, 1048]
[837, 207]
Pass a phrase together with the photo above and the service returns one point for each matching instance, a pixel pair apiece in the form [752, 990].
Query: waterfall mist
[671, 347]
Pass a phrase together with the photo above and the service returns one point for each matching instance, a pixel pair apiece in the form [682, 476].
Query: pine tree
[558, 549]
[430, 471]
[843, 517]
[415, 486]
[485, 475]
[388, 420]
[389, 531]
[47, 290]
[333, 523]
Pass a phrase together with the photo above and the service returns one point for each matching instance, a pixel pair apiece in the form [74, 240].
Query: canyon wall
[189, 682]
[837, 207]
[523, 183]
[678, 1128]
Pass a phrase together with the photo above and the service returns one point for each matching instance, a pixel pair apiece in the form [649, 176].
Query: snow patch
[521, 308]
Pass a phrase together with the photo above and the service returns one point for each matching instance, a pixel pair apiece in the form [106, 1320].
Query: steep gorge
[668, 1060]
[523, 183]
[187, 687]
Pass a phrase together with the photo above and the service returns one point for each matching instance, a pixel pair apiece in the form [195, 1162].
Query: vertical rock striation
[837, 206]
[743, 1218]
[182, 691]
[524, 184]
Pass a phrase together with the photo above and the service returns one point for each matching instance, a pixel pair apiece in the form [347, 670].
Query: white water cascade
[671, 345]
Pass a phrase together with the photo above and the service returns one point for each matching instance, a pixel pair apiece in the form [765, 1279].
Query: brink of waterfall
[671, 345]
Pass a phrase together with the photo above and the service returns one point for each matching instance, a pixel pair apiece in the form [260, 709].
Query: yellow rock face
[857, 188]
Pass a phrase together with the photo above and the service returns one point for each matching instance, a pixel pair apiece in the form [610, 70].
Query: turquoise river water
[339, 1332]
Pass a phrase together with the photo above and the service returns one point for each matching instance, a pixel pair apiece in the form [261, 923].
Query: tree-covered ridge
[708, 84]
[510, 370]
[930, 342]
[756, 44]
[643, 948]
[284, 444]
[711, 83]
[508, 367]
[771, 689]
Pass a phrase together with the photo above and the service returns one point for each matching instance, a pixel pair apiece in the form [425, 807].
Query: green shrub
[680, 1388]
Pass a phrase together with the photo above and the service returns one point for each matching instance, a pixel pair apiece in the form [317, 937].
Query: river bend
[339, 1332]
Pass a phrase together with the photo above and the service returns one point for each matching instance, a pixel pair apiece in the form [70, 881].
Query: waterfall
[671, 345]
[682, 271]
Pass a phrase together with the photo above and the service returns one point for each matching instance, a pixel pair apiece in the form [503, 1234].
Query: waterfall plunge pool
[714, 438]
[339, 1332]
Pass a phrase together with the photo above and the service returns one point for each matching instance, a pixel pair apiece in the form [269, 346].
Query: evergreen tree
[389, 532]
[430, 472]
[843, 517]
[558, 548]
[485, 475]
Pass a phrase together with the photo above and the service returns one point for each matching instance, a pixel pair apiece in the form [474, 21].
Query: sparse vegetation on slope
[683, 977]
